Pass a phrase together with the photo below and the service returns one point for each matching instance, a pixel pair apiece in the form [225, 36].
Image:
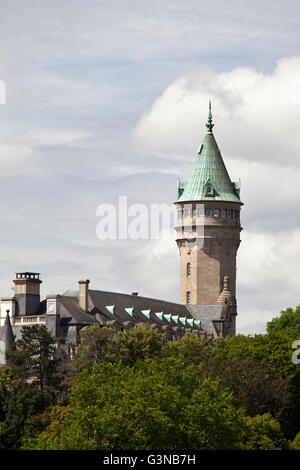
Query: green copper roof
[111, 308]
[209, 179]
[147, 313]
[129, 311]
[159, 315]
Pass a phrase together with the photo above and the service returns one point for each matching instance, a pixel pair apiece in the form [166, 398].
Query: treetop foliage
[134, 390]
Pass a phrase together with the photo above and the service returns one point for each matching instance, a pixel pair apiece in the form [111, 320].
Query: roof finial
[209, 124]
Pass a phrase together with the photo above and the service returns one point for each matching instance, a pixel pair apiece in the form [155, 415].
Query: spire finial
[209, 124]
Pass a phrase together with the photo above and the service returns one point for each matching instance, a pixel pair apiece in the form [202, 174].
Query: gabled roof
[209, 167]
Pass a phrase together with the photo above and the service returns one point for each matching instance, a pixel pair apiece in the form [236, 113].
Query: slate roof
[70, 310]
[210, 316]
[108, 308]
[135, 305]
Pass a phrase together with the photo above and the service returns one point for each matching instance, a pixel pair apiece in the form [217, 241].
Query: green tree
[152, 406]
[190, 348]
[255, 387]
[97, 346]
[264, 434]
[295, 443]
[23, 402]
[34, 356]
[139, 343]
[288, 321]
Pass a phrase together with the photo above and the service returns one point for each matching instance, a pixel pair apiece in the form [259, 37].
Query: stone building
[208, 236]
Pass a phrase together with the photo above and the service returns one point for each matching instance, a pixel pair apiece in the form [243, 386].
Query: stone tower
[208, 228]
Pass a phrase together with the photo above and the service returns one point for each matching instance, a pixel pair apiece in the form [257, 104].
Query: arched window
[216, 212]
[188, 270]
[188, 297]
[223, 213]
[208, 212]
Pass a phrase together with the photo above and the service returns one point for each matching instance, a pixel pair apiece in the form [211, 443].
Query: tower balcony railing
[29, 320]
[206, 221]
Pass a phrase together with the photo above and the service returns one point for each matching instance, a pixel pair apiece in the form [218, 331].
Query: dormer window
[209, 189]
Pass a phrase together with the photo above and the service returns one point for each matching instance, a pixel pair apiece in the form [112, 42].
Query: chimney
[27, 293]
[83, 294]
[134, 293]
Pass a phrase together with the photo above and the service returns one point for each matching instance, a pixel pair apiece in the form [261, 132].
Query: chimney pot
[83, 294]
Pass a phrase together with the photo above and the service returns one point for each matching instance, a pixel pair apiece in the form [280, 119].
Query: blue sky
[106, 98]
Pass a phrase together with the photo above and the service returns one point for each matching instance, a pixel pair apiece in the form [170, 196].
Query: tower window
[223, 213]
[188, 297]
[216, 212]
[188, 270]
[208, 212]
[229, 214]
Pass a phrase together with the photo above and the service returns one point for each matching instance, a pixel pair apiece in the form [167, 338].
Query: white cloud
[19, 158]
[255, 114]
[268, 278]
[21, 150]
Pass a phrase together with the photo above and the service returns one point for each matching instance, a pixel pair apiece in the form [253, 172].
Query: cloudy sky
[109, 98]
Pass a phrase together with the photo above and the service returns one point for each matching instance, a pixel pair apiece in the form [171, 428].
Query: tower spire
[209, 124]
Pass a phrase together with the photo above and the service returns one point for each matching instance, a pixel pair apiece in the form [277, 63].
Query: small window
[188, 297]
[230, 214]
[209, 190]
[208, 212]
[188, 270]
[223, 213]
[216, 212]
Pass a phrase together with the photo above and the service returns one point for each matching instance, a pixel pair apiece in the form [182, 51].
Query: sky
[110, 98]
